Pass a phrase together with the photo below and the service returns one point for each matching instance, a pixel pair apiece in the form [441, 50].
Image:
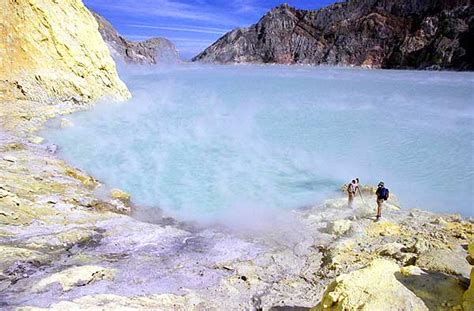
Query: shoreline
[58, 238]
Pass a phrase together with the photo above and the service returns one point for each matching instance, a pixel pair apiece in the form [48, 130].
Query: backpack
[384, 194]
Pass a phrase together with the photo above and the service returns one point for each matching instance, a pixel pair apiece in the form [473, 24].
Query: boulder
[445, 260]
[396, 251]
[372, 288]
[76, 276]
[338, 227]
[120, 195]
[390, 249]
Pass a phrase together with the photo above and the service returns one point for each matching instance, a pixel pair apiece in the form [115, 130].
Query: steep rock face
[52, 50]
[152, 51]
[371, 33]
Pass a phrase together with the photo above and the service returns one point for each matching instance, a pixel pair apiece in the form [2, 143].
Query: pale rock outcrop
[81, 176]
[75, 276]
[52, 49]
[372, 288]
[63, 239]
[411, 270]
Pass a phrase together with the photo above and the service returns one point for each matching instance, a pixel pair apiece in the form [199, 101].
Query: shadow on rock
[437, 290]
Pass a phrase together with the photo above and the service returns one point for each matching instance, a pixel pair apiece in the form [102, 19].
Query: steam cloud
[244, 144]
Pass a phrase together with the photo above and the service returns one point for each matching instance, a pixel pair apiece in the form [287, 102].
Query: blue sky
[191, 25]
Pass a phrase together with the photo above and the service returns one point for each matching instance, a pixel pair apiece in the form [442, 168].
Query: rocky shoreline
[65, 244]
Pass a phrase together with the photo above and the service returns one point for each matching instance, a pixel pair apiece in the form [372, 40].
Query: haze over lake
[205, 142]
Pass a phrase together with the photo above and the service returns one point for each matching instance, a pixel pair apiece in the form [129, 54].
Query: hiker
[351, 191]
[382, 194]
[357, 185]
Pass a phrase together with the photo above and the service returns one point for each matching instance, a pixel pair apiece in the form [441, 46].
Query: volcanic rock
[419, 34]
[151, 51]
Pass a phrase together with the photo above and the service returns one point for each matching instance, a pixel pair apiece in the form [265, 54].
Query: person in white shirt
[356, 185]
[351, 191]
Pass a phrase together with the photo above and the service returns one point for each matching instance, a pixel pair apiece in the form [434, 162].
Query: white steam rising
[242, 142]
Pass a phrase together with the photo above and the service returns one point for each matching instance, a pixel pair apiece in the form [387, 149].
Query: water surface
[206, 141]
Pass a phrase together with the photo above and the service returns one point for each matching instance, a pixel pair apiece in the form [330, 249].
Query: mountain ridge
[151, 51]
[418, 34]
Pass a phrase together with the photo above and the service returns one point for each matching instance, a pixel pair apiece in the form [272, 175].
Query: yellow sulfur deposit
[51, 49]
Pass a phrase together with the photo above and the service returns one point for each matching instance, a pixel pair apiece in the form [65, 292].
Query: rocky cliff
[152, 51]
[52, 50]
[372, 33]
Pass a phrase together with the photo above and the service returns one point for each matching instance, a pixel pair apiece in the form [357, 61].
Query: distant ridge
[420, 34]
[152, 51]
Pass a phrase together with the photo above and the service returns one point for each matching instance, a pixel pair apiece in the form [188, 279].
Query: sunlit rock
[36, 140]
[411, 270]
[383, 228]
[64, 239]
[372, 288]
[81, 176]
[52, 49]
[76, 276]
[120, 195]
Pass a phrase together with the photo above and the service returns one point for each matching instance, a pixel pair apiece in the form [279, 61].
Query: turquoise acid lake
[201, 142]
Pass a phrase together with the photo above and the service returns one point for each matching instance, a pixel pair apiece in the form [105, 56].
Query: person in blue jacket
[382, 194]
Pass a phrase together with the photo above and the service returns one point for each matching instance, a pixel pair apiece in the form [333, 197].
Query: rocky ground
[67, 241]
